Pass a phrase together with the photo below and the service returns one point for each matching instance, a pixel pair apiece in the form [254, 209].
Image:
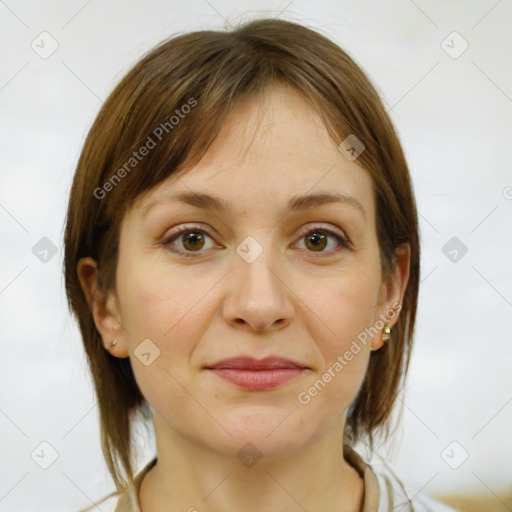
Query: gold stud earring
[386, 333]
[113, 344]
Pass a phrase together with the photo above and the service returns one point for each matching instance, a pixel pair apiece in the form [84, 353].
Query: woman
[242, 256]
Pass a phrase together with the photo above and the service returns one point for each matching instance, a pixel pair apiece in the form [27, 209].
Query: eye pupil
[318, 240]
[193, 238]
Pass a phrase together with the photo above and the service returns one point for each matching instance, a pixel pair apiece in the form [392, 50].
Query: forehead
[269, 149]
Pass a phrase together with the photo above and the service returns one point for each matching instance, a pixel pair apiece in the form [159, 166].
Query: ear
[392, 292]
[104, 308]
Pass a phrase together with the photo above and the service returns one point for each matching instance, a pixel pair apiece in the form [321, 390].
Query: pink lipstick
[257, 374]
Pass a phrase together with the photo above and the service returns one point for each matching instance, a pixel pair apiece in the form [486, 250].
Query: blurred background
[444, 72]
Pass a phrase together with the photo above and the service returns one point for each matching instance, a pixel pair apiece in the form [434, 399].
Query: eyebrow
[296, 203]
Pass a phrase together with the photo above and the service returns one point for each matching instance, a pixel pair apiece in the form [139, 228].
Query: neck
[193, 477]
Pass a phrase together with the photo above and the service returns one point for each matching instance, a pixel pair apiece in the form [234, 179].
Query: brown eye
[188, 241]
[193, 241]
[317, 240]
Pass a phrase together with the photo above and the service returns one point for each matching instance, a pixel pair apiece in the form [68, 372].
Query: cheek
[350, 305]
[158, 303]
[160, 309]
[346, 308]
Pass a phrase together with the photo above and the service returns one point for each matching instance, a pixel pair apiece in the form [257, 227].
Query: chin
[272, 431]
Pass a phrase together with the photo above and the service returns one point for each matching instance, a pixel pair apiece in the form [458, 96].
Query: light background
[454, 120]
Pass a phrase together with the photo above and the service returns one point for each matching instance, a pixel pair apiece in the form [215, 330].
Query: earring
[113, 344]
[386, 333]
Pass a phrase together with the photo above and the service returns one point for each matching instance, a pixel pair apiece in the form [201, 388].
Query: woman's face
[255, 281]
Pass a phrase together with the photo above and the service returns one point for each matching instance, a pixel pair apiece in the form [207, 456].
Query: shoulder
[116, 502]
[394, 494]
[106, 504]
[126, 501]
[384, 491]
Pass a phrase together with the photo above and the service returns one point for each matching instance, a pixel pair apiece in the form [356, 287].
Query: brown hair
[212, 72]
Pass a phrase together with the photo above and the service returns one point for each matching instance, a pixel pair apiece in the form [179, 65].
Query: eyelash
[192, 254]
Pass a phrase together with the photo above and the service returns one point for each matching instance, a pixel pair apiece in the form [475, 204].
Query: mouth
[257, 375]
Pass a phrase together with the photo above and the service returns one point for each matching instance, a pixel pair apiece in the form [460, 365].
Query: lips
[252, 364]
[257, 374]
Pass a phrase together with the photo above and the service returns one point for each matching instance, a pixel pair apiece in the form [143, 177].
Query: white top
[383, 491]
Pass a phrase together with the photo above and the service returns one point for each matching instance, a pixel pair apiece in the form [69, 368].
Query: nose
[257, 295]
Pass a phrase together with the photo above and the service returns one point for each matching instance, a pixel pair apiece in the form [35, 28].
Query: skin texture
[293, 300]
